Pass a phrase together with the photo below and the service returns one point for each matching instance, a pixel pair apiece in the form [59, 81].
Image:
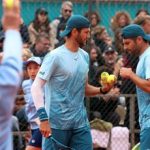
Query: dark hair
[37, 24]
[142, 10]
[141, 20]
[89, 14]
[78, 29]
[134, 39]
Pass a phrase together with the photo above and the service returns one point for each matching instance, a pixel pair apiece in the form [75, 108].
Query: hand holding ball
[106, 78]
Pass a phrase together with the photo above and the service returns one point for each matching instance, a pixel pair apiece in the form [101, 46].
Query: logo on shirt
[42, 73]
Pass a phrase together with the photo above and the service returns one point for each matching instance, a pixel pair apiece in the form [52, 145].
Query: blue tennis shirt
[66, 73]
[143, 71]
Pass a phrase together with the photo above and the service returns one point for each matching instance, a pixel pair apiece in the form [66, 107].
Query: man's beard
[136, 51]
[81, 43]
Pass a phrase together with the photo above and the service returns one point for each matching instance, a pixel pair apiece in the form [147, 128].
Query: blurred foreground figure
[10, 71]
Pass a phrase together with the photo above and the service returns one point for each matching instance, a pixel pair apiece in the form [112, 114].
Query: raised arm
[10, 71]
[11, 64]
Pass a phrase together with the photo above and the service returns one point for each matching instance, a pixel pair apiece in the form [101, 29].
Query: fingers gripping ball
[104, 77]
[111, 79]
[9, 4]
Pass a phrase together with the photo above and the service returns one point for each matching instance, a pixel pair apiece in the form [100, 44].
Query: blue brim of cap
[64, 33]
[147, 37]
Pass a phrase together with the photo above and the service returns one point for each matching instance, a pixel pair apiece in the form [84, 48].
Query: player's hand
[126, 72]
[115, 91]
[107, 87]
[118, 66]
[112, 94]
[45, 128]
[11, 16]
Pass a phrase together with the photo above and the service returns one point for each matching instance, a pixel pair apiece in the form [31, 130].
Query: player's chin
[33, 77]
[84, 42]
[130, 51]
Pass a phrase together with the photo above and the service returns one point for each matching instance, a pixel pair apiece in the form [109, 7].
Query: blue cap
[134, 30]
[75, 21]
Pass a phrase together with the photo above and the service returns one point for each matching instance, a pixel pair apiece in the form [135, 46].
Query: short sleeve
[48, 67]
[147, 67]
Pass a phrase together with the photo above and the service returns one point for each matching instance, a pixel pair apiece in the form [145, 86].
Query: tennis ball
[104, 76]
[111, 79]
[9, 4]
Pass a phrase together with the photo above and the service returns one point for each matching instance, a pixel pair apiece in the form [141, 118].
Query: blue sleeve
[48, 66]
[11, 66]
[10, 75]
[147, 67]
[87, 58]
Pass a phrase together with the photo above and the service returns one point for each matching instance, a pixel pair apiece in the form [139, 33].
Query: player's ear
[74, 31]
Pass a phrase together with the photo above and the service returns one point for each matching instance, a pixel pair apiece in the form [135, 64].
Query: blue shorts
[36, 139]
[145, 139]
[75, 139]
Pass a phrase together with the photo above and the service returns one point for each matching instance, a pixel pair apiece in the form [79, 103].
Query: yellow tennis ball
[104, 76]
[111, 79]
[9, 4]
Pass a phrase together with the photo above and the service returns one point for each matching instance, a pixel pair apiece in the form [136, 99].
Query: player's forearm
[141, 83]
[37, 94]
[38, 98]
[91, 90]
[13, 45]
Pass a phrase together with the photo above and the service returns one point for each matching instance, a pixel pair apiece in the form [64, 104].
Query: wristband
[42, 114]
[101, 91]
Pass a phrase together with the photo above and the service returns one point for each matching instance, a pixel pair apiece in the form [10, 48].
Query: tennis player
[64, 73]
[136, 41]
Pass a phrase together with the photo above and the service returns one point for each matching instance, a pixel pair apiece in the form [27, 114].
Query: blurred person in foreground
[64, 72]
[136, 41]
[10, 71]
